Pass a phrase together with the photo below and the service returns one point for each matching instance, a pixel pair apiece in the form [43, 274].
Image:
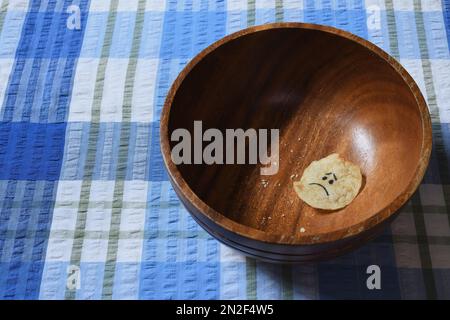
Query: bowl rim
[298, 239]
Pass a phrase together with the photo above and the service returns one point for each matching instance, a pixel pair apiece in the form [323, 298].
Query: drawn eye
[324, 178]
[331, 181]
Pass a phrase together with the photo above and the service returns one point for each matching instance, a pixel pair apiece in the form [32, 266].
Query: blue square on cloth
[31, 151]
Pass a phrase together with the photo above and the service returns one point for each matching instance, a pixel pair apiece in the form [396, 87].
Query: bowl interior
[326, 94]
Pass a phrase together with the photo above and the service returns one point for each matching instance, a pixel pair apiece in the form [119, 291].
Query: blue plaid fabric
[87, 211]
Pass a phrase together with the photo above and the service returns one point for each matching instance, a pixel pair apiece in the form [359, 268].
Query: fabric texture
[86, 209]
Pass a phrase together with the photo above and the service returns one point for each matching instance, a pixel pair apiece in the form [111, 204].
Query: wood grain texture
[327, 91]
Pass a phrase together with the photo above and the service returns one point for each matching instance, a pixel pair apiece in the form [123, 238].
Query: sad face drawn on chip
[330, 183]
[330, 180]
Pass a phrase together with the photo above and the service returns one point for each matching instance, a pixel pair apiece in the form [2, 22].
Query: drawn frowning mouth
[318, 184]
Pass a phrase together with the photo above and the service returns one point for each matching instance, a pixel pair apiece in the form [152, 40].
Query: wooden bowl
[327, 91]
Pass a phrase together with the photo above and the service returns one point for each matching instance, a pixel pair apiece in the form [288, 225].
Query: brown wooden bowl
[327, 91]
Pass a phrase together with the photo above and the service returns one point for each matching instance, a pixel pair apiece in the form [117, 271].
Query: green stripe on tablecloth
[114, 231]
[250, 264]
[251, 13]
[3, 12]
[250, 270]
[435, 116]
[417, 211]
[392, 27]
[92, 144]
[68, 234]
[430, 284]
[279, 13]
[427, 209]
[286, 281]
[432, 103]
[441, 155]
[423, 244]
[419, 221]
[426, 64]
[418, 238]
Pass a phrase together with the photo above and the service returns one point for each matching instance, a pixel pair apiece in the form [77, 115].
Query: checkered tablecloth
[86, 209]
